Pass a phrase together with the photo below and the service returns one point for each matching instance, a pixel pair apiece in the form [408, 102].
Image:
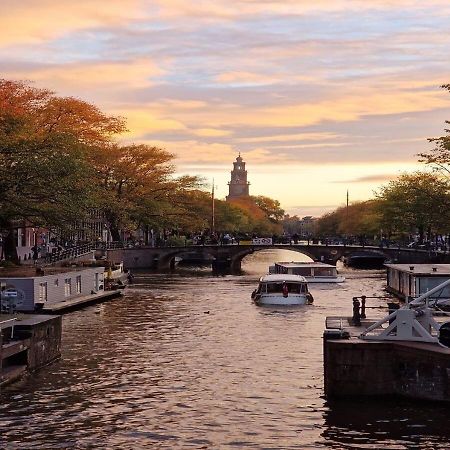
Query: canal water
[188, 361]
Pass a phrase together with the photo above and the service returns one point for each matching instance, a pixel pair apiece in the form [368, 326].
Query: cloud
[379, 178]
[211, 132]
[246, 78]
[324, 90]
[34, 21]
[92, 75]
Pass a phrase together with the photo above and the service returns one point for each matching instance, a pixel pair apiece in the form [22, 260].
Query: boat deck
[78, 302]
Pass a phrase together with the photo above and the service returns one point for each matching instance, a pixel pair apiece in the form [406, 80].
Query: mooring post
[356, 314]
[363, 306]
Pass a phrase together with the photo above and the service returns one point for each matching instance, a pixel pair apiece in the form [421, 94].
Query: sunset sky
[318, 96]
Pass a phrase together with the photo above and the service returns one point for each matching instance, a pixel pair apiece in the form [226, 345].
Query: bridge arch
[243, 251]
[166, 259]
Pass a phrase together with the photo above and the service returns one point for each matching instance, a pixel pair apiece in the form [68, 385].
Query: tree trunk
[115, 233]
[10, 246]
[113, 226]
[421, 234]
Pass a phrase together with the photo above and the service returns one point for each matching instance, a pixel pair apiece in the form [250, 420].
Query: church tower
[238, 186]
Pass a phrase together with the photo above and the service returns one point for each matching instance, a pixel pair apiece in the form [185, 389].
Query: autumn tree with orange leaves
[45, 178]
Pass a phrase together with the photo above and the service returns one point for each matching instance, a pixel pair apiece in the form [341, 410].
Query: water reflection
[388, 422]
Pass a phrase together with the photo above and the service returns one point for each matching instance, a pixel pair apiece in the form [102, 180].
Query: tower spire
[238, 186]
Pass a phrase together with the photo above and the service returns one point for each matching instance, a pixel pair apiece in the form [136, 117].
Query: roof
[277, 277]
[33, 272]
[422, 269]
[304, 264]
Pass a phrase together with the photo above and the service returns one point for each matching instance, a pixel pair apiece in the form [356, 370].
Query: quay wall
[363, 368]
[34, 343]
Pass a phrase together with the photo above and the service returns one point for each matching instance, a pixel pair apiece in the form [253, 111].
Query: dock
[27, 343]
[406, 353]
[79, 302]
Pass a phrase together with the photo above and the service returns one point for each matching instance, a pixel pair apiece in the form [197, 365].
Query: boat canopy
[306, 269]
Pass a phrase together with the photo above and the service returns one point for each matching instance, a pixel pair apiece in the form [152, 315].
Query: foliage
[360, 218]
[439, 157]
[138, 187]
[415, 201]
[44, 140]
[270, 207]
[260, 221]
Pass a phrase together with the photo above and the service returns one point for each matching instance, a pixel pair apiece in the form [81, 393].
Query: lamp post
[213, 218]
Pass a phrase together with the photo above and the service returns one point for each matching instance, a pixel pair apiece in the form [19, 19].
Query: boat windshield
[276, 288]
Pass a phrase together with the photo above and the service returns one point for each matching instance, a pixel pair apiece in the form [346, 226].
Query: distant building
[238, 186]
[307, 226]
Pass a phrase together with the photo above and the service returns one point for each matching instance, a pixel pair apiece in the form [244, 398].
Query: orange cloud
[34, 21]
[247, 78]
[92, 75]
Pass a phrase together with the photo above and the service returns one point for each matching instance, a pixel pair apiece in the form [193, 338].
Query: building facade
[238, 186]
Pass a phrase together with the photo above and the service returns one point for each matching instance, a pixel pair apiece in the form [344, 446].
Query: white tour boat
[314, 272]
[274, 289]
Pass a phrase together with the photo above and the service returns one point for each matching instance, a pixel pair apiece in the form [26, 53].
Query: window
[67, 287]
[78, 287]
[42, 292]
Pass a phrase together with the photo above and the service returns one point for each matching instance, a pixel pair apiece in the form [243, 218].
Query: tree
[415, 201]
[359, 219]
[139, 188]
[261, 221]
[271, 207]
[439, 157]
[44, 140]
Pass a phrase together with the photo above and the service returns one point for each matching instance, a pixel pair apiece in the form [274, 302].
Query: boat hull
[282, 301]
[325, 279]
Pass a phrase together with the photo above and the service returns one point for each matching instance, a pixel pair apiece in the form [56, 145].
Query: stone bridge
[229, 257]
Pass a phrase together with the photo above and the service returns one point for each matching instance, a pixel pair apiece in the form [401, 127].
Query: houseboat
[275, 289]
[314, 272]
[28, 290]
[412, 280]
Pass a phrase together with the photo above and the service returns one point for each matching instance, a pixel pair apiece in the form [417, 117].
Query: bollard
[356, 315]
[363, 306]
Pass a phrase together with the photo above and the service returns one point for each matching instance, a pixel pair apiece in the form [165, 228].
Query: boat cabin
[312, 271]
[274, 284]
[413, 280]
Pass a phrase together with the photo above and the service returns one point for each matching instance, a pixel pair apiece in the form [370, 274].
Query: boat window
[272, 288]
[324, 271]
[304, 271]
[293, 288]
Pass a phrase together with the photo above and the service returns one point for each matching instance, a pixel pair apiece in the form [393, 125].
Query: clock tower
[238, 186]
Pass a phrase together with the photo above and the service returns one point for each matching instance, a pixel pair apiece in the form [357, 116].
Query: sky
[320, 97]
